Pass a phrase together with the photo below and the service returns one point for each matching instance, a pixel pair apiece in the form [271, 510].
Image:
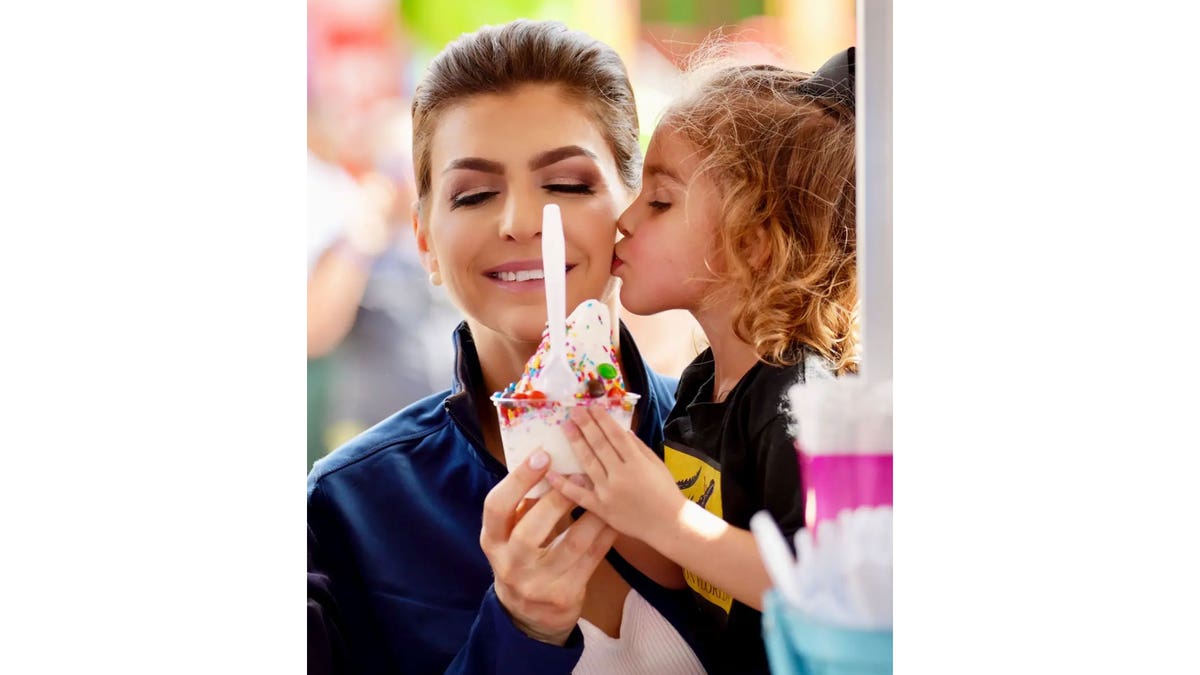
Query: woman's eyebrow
[475, 164]
[557, 155]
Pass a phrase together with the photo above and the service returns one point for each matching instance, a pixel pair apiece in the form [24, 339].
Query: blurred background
[379, 335]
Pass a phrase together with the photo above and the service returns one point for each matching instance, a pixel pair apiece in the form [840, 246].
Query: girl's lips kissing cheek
[616, 264]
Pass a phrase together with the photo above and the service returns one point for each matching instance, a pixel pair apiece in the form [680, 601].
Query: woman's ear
[421, 235]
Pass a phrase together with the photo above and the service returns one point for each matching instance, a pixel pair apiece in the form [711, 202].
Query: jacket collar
[468, 384]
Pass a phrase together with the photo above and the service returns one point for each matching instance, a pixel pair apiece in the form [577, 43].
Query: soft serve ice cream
[529, 419]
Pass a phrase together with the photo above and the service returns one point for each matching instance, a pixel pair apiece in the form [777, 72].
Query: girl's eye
[471, 199]
[570, 188]
[659, 206]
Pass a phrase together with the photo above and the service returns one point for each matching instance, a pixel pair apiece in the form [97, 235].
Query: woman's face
[495, 161]
[669, 230]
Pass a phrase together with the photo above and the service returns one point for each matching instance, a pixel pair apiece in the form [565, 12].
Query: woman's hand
[631, 489]
[540, 577]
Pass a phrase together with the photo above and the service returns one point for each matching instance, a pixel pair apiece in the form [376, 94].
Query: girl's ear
[760, 253]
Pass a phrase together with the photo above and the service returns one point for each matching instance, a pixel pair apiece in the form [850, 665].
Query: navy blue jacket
[397, 513]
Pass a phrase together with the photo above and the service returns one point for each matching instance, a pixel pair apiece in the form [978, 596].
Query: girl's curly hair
[784, 165]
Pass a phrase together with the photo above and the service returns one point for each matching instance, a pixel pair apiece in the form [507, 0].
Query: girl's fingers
[624, 440]
[591, 464]
[607, 454]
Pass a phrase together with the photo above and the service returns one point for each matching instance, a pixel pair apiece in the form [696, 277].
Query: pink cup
[833, 482]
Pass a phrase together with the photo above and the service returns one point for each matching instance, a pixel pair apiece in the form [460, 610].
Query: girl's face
[668, 230]
[496, 160]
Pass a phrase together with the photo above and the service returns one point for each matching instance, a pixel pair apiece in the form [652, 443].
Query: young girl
[746, 219]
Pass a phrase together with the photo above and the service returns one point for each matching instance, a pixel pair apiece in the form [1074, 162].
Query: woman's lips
[616, 264]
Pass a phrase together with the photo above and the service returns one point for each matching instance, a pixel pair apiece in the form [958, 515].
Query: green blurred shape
[709, 13]
[682, 11]
[319, 377]
[749, 8]
[435, 24]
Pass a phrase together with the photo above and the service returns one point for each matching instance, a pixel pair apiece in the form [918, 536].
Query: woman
[434, 560]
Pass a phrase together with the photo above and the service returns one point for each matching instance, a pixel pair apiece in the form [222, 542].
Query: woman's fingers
[584, 543]
[540, 521]
[585, 565]
[580, 494]
[500, 505]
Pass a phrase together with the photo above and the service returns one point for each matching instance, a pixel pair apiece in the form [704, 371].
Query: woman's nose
[522, 218]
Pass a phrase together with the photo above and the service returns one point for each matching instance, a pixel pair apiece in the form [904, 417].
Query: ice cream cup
[527, 424]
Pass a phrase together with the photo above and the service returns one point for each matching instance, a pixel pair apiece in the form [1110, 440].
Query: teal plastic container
[798, 645]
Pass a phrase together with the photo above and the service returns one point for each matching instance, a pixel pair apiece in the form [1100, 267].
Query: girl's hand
[630, 487]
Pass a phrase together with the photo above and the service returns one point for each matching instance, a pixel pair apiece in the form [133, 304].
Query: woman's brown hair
[783, 162]
[498, 59]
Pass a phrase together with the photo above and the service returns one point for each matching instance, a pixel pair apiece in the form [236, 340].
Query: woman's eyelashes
[659, 205]
[570, 188]
[477, 197]
[471, 198]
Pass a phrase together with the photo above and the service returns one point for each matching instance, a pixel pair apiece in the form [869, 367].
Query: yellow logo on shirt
[700, 482]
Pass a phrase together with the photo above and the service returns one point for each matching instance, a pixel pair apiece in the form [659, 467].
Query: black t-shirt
[736, 458]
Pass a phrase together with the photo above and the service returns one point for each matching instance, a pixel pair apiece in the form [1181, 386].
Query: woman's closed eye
[570, 188]
[471, 198]
[659, 205]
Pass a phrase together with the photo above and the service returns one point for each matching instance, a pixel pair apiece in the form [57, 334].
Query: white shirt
[647, 643]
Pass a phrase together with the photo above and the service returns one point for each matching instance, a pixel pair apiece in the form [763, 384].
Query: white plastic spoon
[557, 377]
